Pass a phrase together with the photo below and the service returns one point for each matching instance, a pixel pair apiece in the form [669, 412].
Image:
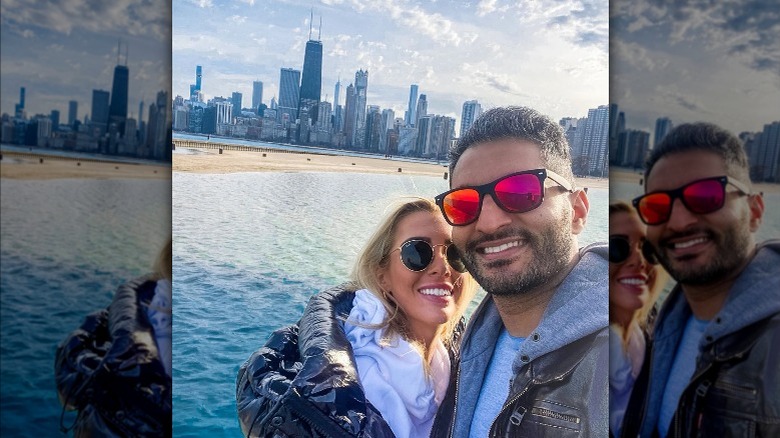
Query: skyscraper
[55, 120]
[662, 127]
[361, 90]
[350, 115]
[289, 88]
[595, 139]
[117, 112]
[195, 89]
[19, 107]
[337, 93]
[100, 107]
[421, 111]
[411, 113]
[73, 112]
[235, 99]
[311, 81]
[257, 95]
[471, 110]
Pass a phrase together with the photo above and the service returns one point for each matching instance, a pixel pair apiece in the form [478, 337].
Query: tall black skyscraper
[311, 80]
[117, 112]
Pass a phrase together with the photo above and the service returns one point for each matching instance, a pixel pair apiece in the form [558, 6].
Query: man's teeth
[632, 281]
[436, 292]
[499, 248]
[689, 243]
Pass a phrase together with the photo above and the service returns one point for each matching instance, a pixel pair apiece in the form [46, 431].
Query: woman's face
[432, 296]
[630, 280]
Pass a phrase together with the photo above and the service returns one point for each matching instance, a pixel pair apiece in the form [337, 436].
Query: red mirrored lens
[704, 196]
[519, 193]
[655, 207]
[461, 206]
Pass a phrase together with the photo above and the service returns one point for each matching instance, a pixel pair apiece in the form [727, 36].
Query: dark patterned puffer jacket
[109, 369]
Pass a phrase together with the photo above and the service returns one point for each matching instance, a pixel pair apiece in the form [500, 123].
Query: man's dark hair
[703, 137]
[519, 123]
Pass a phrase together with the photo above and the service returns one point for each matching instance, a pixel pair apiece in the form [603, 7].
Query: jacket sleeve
[264, 378]
[78, 357]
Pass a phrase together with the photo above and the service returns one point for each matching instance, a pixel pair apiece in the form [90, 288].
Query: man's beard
[731, 249]
[549, 256]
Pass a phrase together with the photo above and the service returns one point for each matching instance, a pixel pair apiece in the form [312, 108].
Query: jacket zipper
[677, 431]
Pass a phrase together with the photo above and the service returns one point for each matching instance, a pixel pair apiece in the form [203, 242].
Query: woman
[634, 282]
[372, 362]
[116, 368]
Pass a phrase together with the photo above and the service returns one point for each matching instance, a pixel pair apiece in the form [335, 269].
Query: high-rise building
[117, 112]
[764, 155]
[411, 111]
[350, 116]
[595, 139]
[374, 128]
[361, 92]
[19, 107]
[289, 88]
[311, 80]
[257, 95]
[662, 127]
[421, 111]
[337, 93]
[55, 120]
[73, 112]
[634, 146]
[195, 90]
[236, 101]
[471, 110]
[99, 113]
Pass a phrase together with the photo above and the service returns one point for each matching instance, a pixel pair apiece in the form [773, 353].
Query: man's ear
[756, 204]
[580, 206]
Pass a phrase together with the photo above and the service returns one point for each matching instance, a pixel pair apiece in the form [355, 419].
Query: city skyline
[454, 53]
[696, 61]
[61, 53]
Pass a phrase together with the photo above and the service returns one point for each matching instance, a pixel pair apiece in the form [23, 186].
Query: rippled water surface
[65, 246]
[249, 250]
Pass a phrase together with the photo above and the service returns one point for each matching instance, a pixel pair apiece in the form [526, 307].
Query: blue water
[65, 246]
[250, 249]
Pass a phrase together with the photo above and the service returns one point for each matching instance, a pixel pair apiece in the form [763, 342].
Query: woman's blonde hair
[163, 264]
[658, 277]
[374, 258]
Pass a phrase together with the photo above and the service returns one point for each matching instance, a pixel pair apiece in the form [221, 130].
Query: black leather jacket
[735, 388]
[304, 383]
[109, 369]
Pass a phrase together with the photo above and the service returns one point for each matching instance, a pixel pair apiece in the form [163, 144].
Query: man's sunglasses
[701, 197]
[620, 250]
[417, 255]
[515, 193]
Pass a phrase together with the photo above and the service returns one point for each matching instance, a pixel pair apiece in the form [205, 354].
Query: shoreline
[210, 161]
[31, 166]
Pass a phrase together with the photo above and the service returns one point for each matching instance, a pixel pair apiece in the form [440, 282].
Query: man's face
[701, 248]
[510, 253]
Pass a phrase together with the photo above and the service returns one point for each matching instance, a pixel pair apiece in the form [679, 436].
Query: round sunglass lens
[619, 249]
[416, 255]
[454, 259]
[520, 193]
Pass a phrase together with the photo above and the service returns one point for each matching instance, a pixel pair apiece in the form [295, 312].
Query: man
[534, 358]
[714, 367]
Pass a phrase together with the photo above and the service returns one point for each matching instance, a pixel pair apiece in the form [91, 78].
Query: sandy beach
[29, 166]
[229, 161]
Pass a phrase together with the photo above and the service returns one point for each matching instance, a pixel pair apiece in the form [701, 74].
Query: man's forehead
[679, 168]
[486, 161]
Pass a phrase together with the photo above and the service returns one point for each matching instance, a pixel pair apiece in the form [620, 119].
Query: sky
[550, 55]
[696, 61]
[62, 50]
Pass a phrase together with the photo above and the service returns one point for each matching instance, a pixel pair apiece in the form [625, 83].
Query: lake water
[65, 246]
[249, 251]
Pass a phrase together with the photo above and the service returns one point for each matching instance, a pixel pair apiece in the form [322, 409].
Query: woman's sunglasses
[620, 250]
[516, 193]
[417, 255]
[701, 197]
